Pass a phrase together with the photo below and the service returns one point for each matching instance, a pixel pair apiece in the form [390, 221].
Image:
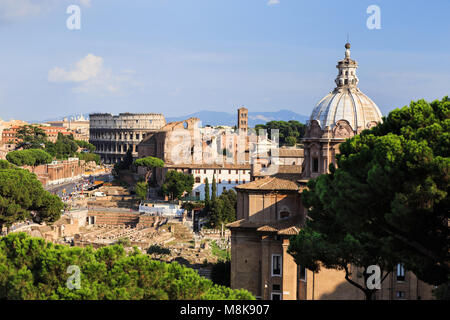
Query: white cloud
[86, 3]
[12, 10]
[87, 68]
[90, 76]
[15, 10]
[273, 2]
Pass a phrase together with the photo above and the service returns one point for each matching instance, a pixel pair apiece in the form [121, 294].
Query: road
[71, 186]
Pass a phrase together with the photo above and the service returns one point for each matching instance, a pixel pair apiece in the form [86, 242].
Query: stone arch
[314, 129]
[342, 129]
[284, 213]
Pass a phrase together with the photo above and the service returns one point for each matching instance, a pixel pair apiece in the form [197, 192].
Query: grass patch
[222, 254]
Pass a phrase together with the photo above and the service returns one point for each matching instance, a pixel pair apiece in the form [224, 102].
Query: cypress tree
[207, 198]
[213, 189]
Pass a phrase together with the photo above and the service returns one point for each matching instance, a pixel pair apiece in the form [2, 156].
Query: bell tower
[242, 119]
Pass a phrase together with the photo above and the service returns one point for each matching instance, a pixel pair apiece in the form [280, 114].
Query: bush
[29, 157]
[31, 268]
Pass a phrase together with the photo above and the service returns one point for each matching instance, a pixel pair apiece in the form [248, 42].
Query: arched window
[197, 180]
[284, 213]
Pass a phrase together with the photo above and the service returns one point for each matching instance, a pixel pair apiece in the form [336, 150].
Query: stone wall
[58, 171]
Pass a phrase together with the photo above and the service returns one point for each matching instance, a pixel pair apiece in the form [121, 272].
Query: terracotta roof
[294, 153]
[271, 183]
[230, 166]
[289, 226]
[289, 172]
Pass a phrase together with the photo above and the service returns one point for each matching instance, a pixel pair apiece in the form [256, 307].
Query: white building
[227, 176]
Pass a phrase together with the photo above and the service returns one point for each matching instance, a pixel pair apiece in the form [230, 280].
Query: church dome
[346, 101]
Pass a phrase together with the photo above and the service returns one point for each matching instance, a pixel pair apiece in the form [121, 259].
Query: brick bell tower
[242, 119]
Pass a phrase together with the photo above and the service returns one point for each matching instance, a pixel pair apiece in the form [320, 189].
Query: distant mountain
[215, 118]
[70, 116]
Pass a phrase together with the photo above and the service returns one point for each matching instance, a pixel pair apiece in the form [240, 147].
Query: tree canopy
[63, 148]
[141, 190]
[290, 132]
[177, 183]
[23, 197]
[222, 210]
[387, 202]
[29, 157]
[32, 137]
[33, 269]
[150, 163]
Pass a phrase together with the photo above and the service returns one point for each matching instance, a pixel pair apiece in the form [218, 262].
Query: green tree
[223, 209]
[290, 132]
[63, 148]
[32, 137]
[86, 145]
[221, 273]
[29, 157]
[207, 197]
[23, 197]
[387, 202]
[150, 163]
[442, 292]
[88, 157]
[213, 189]
[177, 183]
[141, 190]
[34, 269]
[125, 164]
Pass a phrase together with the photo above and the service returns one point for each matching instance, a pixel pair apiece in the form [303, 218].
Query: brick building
[9, 135]
[269, 210]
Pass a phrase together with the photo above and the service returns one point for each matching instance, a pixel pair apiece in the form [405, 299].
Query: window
[302, 273]
[276, 296]
[315, 164]
[400, 272]
[229, 181]
[400, 294]
[284, 214]
[224, 189]
[276, 265]
[197, 179]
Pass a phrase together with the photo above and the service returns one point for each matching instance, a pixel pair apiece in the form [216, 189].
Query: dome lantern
[346, 102]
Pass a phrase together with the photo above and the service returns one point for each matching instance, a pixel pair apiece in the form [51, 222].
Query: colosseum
[113, 135]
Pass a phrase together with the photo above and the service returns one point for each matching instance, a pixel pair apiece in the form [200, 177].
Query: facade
[113, 136]
[203, 152]
[59, 171]
[9, 135]
[227, 177]
[270, 210]
[79, 126]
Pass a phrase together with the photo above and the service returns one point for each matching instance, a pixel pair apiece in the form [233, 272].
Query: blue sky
[179, 56]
